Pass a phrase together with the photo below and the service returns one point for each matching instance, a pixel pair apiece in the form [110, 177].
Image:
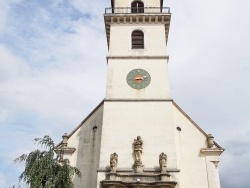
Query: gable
[77, 129]
[191, 122]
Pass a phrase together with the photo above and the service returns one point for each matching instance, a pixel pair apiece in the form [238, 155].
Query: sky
[53, 74]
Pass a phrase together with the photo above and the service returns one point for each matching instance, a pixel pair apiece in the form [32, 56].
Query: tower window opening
[137, 7]
[94, 128]
[137, 39]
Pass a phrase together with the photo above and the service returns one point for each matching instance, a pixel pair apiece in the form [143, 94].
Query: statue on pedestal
[138, 151]
[113, 162]
[163, 162]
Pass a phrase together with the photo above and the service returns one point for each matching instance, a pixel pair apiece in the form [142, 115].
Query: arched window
[137, 7]
[137, 37]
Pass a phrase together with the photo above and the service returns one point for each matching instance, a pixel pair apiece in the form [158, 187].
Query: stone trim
[117, 170]
[173, 170]
[116, 184]
[145, 170]
[161, 18]
[137, 57]
[212, 151]
[65, 151]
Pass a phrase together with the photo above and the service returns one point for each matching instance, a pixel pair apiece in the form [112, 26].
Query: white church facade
[138, 136]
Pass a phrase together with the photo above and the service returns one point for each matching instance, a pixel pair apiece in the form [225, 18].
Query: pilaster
[212, 159]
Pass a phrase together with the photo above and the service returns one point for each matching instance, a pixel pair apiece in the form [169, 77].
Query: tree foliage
[44, 170]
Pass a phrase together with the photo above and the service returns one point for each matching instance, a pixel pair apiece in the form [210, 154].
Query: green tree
[44, 170]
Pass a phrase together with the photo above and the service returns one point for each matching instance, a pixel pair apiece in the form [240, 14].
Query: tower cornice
[152, 15]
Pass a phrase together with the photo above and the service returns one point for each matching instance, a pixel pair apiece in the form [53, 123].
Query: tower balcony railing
[138, 10]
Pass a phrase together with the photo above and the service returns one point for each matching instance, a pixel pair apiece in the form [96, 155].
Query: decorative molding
[135, 179]
[160, 18]
[215, 163]
[137, 183]
[65, 150]
[212, 151]
[117, 170]
[173, 170]
[137, 57]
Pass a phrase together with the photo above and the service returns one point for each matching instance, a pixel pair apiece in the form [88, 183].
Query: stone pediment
[120, 184]
[123, 180]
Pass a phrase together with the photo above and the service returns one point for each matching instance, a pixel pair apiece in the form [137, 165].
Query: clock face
[138, 79]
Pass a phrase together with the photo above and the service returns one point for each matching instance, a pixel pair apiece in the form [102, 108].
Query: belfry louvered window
[137, 39]
[137, 7]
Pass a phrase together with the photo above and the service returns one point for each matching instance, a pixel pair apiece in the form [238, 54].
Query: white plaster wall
[190, 161]
[117, 87]
[87, 144]
[147, 3]
[154, 40]
[124, 121]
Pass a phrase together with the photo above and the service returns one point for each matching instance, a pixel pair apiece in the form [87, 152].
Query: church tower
[138, 136]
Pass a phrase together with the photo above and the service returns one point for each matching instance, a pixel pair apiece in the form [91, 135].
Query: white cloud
[5, 6]
[3, 115]
[11, 66]
[3, 15]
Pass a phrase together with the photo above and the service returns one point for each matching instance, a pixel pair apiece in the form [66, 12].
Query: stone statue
[113, 162]
[138, 151]
[163, 162]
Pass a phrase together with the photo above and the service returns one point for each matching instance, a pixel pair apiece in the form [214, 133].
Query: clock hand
[139, 78]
